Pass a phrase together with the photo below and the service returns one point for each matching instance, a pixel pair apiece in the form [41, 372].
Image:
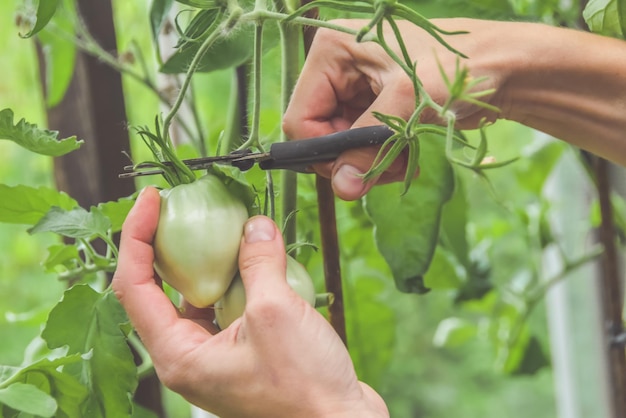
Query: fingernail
[348, 181]
[259, 229]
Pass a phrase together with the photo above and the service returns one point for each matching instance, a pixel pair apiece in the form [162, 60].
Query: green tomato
[233, 303]
[196, 246]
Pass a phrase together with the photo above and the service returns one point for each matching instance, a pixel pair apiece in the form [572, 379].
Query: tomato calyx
[175, 171]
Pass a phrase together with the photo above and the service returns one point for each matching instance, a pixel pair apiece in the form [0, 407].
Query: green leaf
[46, 376]
[159, 9]
[61, 255]
[117, 211]
[533, 359]
[371, 356]
[27, 205]
[90, 322]
[41, 141]
[59, 53]
[407, 227]
[606, 17]
[75, 223]
[45, 11]
[29, 399]
[141, 412]
[454, 224]
[227, 52]
[444, 271]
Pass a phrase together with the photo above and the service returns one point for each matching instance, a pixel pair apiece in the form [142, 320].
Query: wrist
[369, 404]
[568, 84]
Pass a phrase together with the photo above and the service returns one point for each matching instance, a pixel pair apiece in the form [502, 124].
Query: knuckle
[253, 263]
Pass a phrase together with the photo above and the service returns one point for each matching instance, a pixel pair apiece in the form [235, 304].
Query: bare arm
[572, 85]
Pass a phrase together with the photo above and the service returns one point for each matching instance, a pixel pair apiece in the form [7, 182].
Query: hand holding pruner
[289, 155]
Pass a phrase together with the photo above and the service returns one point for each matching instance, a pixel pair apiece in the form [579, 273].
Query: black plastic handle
[299, 155]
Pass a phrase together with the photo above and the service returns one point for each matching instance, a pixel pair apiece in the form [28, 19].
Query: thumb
[262, 259]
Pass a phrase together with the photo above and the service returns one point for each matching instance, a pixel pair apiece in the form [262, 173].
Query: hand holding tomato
[280, 359]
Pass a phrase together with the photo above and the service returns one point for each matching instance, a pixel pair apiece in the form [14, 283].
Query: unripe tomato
[233, 303]
[197, 239]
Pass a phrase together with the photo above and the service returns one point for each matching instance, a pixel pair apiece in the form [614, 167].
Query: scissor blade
[244, 160]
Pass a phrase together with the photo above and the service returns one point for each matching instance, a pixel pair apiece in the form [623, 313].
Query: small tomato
[233, 303]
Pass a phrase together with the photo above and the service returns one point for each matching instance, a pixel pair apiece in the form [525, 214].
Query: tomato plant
[424, 240]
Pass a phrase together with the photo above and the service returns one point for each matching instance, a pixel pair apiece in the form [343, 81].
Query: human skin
[280, 359]
[564, 82]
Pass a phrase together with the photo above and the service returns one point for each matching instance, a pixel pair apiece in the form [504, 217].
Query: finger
[349, 168]
[201, 316]
[262, 260]
[327, 82]
[149, 309]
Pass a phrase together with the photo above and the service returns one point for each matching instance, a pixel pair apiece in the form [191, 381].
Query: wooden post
[611, 280]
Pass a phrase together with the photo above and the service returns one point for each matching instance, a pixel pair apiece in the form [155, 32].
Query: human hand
[281, 359]
[343, 82]
[564, 82]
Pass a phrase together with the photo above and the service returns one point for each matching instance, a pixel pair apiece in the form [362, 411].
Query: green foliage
[407, 226]
[27, 205]
[59, 52]
[41, 389]
[94, 325]
[45, 11]
[41, 141]
[606, 17]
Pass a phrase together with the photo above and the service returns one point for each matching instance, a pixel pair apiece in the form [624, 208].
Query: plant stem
[225, 27]
[302, 21]
[146, 367]
[86, 43]
[290, 42]
[253, 140]
[237, 116]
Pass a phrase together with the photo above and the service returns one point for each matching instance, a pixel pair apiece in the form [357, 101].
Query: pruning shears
[289, 155]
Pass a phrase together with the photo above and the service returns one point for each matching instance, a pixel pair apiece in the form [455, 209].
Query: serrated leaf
[407, 227]
[45, 11]
[27, 205]
[45, 375]
[76, 223]
[89, 321]
[117, 211]
[41, 141]
[29, 399]
[61, 255]
[606, 17]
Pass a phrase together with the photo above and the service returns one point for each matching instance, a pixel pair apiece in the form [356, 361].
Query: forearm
[571, 85]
